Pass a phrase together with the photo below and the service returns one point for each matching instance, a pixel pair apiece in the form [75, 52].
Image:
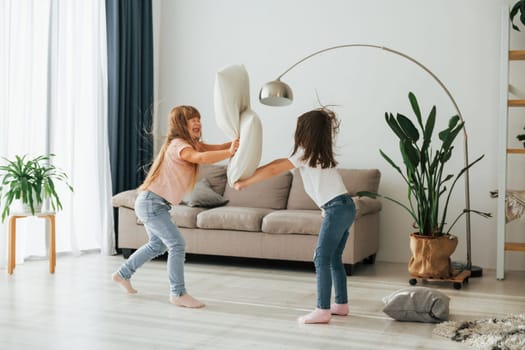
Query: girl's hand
[234, 146]
[238, 185]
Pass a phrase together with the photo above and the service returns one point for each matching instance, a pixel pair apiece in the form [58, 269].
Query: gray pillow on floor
[203, 196]
[417, 304]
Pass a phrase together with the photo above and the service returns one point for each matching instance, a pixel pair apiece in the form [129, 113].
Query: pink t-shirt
[175, 174]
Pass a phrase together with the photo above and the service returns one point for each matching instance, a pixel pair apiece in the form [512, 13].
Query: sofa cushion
[232, 218]
[306, 222]
[298, 199]
[125, 199]
[185, 216]
[271, 193]
[357, 180]
[354, 179]
[203, 196]
[215, 174]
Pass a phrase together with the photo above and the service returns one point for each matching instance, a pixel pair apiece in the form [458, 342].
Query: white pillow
[248, 156]
[231, 98]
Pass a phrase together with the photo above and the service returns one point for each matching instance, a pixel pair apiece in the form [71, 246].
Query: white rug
[492, 333]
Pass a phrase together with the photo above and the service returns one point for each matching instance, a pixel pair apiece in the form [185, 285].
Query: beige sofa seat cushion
[185, 216]
[355, 180]
[271, 193]
[307, 222]
[232, 218]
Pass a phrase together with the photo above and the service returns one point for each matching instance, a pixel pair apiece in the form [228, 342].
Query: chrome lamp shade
[276, 93]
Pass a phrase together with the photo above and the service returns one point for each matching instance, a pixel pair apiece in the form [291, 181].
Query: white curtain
[53, 100]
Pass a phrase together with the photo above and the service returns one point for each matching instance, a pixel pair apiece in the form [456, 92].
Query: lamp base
[475, 271]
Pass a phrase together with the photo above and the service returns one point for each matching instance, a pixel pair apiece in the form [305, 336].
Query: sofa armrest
[366, 205]
[125, 199]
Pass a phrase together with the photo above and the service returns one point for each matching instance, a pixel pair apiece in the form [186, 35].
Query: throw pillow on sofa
[204, 196]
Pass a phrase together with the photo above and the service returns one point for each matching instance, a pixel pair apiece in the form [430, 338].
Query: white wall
[459, 40]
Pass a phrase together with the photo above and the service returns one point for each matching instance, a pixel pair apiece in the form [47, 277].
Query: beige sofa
[274, 219]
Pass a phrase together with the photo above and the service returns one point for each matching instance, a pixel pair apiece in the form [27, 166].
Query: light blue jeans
[153, 211]
[339, 214]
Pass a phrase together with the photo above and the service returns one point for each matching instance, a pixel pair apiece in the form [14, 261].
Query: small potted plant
[429, 188]
[31, 181]
[518, 7]
[521, 137]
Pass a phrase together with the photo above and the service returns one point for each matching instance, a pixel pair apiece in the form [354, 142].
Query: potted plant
[518, 7]
[429, 187]
[521, 137]
[32, 181]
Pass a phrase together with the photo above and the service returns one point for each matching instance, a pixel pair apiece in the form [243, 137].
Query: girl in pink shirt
[171, 176]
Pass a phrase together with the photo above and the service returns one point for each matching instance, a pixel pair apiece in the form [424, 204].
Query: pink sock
[316, 316]
[339, 309]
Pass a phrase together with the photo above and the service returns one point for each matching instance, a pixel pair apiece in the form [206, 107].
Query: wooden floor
[248, 307]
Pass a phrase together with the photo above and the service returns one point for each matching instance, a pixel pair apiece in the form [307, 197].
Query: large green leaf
[415, 107]
[408, 128]
[391, 121]
[410, 155]
[429, 130]
[514, 12]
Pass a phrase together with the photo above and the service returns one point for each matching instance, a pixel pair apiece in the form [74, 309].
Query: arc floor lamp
[278, 93]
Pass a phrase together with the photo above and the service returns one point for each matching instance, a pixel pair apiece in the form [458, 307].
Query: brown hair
[178, 128]
[315, 134]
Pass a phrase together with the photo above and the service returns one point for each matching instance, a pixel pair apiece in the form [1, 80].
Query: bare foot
[126, 284]
[186, 300]
[339, 309]
[316, 316]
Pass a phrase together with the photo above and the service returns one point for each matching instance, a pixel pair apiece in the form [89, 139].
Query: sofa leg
[126, 252]
[370, 260]
[349, 268]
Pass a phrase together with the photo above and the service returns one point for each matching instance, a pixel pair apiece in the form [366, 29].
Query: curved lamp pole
[278, 93]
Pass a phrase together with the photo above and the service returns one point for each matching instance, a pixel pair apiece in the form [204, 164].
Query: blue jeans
[153, 211]
[339, 214]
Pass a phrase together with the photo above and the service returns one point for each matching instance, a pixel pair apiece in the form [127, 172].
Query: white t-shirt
[321, 185]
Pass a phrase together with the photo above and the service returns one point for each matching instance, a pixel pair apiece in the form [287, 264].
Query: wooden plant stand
[457, 279]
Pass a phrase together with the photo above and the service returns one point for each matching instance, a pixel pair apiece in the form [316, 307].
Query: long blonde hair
[178, 128]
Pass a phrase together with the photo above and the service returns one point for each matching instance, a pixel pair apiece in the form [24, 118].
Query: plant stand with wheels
[457, 279]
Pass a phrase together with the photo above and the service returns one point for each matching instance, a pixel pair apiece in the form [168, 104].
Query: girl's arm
[208, 147]
[264, 172]
[211, 156]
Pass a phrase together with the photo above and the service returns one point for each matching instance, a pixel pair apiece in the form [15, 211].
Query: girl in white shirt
[314, 157]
